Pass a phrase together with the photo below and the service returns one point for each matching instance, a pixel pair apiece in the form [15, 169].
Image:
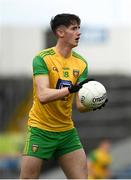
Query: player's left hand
[103, 105]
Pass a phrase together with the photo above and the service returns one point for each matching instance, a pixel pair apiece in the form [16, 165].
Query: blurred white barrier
[121, 155]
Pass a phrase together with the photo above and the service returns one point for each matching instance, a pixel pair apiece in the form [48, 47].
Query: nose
[78, 32]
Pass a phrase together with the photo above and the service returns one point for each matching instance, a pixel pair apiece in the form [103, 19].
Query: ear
[60, 32]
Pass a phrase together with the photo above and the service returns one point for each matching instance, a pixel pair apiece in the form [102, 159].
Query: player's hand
[103, 105]
[76, 88]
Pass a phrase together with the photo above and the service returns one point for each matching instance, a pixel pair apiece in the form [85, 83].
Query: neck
[63, 50]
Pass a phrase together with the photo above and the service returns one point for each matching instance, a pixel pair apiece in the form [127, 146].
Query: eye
[75, 27]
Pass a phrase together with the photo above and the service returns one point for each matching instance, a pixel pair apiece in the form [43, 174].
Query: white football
[92, 94]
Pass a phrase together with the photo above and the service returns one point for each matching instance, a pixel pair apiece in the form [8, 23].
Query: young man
[51, 133]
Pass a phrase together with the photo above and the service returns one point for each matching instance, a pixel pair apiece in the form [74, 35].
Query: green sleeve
[39, 66]
[84, 74]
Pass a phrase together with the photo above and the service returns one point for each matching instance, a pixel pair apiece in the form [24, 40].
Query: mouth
[77, 39]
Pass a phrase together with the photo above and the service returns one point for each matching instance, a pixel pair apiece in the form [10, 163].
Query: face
[70, 35]
[106, 145]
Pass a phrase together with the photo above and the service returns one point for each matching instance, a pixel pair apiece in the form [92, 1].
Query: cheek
[68, 37]
[71, 36]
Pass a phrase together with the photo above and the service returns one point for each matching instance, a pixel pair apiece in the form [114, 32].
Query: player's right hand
[74, 88]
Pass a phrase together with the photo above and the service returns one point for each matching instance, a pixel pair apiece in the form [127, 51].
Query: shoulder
[78, 56]
[46, 52]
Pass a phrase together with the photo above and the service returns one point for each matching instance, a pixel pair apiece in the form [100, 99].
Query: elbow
[43, 99]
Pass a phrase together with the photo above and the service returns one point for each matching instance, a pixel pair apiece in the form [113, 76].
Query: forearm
[48, 94]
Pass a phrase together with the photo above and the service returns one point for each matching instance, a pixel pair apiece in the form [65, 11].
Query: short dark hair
[64, 19]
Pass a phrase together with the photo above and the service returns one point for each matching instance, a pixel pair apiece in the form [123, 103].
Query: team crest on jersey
[75, 73]
[55, 69]
[35, 147]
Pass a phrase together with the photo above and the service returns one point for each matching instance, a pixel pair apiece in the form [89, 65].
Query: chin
[75, 45]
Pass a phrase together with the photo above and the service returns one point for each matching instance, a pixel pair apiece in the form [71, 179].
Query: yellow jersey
[100, 162]
[56, 116]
